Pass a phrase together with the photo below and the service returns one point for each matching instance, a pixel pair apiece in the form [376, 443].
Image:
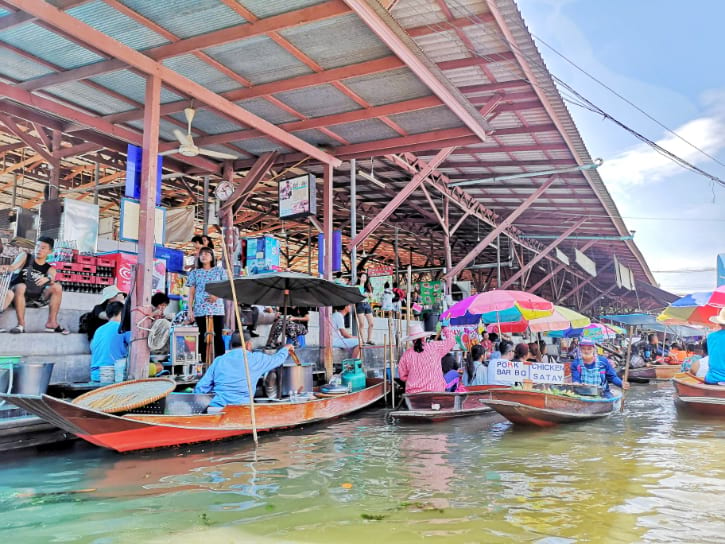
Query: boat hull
[132, 432]
[541, 409]
[697, 397]
[434, 407]
[656, 372]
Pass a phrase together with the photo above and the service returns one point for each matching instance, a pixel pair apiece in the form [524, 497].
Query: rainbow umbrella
[560, 319]
[595, 331]
[499, 306]
[695, 308]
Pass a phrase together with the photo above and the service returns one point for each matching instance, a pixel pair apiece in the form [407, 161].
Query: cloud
[643, 164]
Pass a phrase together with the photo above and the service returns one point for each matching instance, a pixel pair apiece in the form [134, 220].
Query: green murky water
[649, 475]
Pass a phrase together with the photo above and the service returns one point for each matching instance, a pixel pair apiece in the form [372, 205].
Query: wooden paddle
[626, 367]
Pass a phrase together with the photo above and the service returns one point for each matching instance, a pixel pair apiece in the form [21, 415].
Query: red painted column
[142, 296]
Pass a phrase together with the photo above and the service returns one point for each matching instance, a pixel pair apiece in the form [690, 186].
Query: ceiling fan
[187, 148]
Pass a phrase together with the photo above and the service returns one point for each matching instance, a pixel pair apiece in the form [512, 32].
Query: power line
[585, 103]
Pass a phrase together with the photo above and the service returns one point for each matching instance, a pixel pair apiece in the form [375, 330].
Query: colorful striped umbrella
[499, 306]
[561, 319]
[695, 308]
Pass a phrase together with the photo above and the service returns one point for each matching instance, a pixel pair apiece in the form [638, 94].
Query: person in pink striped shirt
[420, 366]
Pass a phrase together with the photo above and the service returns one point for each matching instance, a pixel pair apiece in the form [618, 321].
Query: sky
[666, 58]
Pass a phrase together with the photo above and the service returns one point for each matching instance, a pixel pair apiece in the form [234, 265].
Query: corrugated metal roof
[166, 129]
[258, 59]
[364, 131]
[209, 122]
[318, 101]
[268, 8]
[388, 87]
[186, 19]
[88, 98]
[267, 111]
[201, 72]
[257, 146]
[115, 24]
[337, 41]
[19, 68]
[437, 118]
[315, 137]
[48, 45]
[132, 85]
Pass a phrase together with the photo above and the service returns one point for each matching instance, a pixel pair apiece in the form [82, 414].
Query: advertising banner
[297, 197]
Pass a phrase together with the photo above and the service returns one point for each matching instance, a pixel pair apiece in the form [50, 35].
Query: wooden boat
[441, 406]
[691, 393]
[136, 431]
[655, 372]
[542, 408]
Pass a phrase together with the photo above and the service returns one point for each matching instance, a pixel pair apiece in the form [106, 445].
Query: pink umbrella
[499, 306]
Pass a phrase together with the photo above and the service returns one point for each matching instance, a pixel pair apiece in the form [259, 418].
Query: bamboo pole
[240, 328]
[385, 369]
[626, 365]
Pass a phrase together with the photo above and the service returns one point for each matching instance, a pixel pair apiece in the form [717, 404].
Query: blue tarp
[650, 322]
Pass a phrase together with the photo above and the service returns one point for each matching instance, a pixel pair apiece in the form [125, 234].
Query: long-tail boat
[696, 396]
[654, 372]
[441, 406]
[546, 406]
[137, 431]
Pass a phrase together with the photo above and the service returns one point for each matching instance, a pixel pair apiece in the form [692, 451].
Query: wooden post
[244, 344]
[626, 365]
[140, 355]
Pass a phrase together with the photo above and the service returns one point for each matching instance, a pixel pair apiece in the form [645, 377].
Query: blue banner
[721, 269]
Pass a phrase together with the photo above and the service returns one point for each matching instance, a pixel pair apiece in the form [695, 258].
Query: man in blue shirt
[226, 377]
[108, 345]
[593, 369]
[716, 351]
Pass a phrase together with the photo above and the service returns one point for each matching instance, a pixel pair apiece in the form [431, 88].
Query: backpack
[84, 322]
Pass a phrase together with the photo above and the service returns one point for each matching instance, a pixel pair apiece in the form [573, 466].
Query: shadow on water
[627, 478]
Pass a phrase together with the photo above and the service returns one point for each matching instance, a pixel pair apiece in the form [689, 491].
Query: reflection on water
[648, 475]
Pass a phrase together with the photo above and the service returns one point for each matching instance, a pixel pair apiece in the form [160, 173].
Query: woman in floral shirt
[202, 304]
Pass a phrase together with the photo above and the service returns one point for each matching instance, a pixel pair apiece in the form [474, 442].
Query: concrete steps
[72, 307]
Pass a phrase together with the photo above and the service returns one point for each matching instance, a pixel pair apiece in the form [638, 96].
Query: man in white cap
[593, 369]
[716, 351]
[420, 366]
[97, 317]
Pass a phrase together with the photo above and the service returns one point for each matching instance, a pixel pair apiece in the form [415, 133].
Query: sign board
[379, 271]
[129, 222]
[80, 223]
[297, 197]
[431, 292]
[623, 275]
[561, 256]
[502, 372]
[589, 266]
[378, 285]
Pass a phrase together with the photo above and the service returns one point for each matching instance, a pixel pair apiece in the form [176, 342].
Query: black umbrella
[286, 289]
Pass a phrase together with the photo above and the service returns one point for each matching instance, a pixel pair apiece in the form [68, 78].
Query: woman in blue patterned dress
[202, 304]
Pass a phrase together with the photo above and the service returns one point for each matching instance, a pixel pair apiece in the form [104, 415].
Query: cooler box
[262, 254]
[174, 258]
[124, 263]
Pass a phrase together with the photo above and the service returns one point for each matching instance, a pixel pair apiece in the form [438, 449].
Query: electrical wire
[538, 65]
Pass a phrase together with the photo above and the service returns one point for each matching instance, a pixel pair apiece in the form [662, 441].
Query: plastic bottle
[292, 396]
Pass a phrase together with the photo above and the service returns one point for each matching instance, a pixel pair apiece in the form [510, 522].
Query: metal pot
[296, 378]
[31, 378]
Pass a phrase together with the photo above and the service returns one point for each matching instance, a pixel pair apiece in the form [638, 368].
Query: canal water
[648, 475]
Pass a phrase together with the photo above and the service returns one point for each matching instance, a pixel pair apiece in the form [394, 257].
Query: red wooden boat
[698, 397]
[542, 408]
[135, 431]
[441, 406]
